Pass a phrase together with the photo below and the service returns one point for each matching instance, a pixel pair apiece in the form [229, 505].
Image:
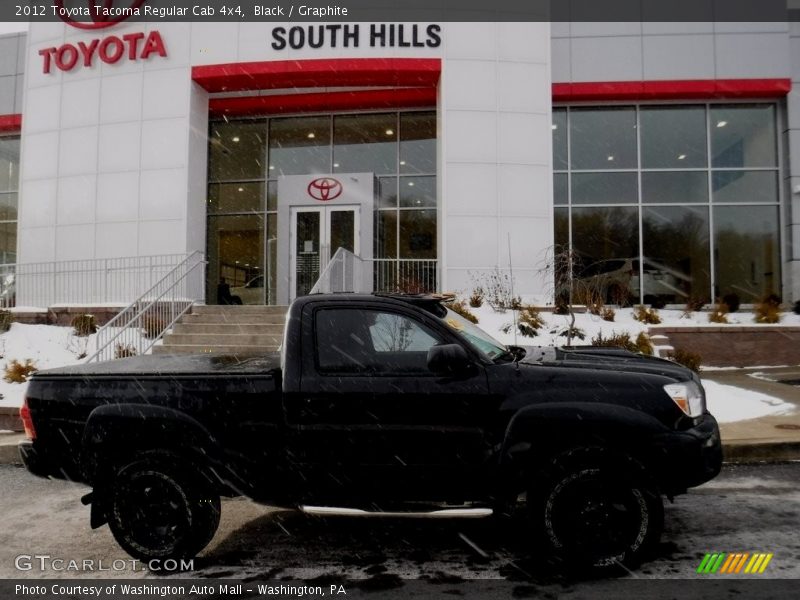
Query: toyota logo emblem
[325, 189]
[98, 19]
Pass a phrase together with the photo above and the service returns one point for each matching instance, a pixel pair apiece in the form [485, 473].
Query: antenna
[511, 274]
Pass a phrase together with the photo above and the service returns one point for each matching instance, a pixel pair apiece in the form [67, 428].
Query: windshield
[476, 336]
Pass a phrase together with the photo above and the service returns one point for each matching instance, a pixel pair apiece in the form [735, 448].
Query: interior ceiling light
[335, 165]
[390, 132]
[554, 126]
[241, 189]
[311, 135]
[721, 123]
[411, 184]
[272, 167]
[611, 157]
[681, 156]
[402, 162]
[235, 138]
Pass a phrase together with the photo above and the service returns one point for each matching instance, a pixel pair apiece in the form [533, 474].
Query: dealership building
[437, 153]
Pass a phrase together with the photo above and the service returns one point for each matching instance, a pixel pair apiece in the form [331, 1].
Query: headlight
[688, 396]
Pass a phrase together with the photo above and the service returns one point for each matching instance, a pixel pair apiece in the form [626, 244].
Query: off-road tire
[159, 510]
[594, 510]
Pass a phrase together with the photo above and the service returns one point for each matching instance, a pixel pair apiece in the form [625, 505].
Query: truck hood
[606, 359]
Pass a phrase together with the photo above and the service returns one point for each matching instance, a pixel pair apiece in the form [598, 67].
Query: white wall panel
[118, 197]
[678, 57]
[76, 200]
[607, 58]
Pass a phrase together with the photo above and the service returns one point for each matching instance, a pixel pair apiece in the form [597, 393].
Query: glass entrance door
[317, 233]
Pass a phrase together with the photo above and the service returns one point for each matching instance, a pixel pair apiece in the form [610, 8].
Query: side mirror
[448, 359]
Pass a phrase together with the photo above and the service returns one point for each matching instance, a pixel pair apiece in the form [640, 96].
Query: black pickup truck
[381, 403]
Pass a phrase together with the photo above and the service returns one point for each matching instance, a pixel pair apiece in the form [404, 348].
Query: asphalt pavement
[748, 508]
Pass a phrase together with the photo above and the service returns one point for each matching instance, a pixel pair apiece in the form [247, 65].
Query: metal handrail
[348, 272]
[162, 305]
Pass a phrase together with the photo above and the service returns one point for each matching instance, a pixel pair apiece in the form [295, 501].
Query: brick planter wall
[737, 345]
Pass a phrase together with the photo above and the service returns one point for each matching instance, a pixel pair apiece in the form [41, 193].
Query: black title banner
[98, 14]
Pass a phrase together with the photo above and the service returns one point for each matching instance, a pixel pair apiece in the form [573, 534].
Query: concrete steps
[226, 329]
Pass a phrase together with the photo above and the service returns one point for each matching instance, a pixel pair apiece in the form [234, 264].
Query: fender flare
[539, 431]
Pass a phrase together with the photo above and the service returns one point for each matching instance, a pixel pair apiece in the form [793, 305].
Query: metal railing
[347, 272]
[103, 281]
[142, 323]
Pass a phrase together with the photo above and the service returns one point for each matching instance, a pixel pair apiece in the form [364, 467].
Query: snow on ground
[729, 403]
[51, 346]
[48, 346]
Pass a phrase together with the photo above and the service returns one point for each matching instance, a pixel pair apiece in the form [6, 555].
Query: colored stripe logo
[752, 563]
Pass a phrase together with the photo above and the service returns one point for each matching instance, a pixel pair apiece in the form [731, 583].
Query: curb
[760, 452]
[9, 453]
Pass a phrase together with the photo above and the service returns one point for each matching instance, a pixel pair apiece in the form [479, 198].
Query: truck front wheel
[158, 511]
[595, 512]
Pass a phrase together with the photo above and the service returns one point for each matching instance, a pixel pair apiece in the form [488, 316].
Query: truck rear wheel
[594, 511]
[157, 511]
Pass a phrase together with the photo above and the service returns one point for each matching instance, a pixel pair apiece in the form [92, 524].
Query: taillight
[27, 422]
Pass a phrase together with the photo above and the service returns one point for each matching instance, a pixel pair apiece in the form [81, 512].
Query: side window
[371, 341]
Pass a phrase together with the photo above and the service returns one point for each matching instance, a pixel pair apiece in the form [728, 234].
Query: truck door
[372, 420]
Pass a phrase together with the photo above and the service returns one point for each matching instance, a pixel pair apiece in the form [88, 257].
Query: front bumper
[691, 457]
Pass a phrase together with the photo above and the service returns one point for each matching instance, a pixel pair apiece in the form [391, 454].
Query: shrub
[496, 287]
[561, 306]
[732, 301]
[476, 298]
[623, 340]
[530, 321]
[646, 315]
[78, 346]
[124, 350]
[643, 344]
[719, 313]
[84, 325]
[152, 326]
[608, 314]
[567, 332]
[768, 310]
[796, 308]
[6, 317]
[694, 305]
[615, 340]
[18, 372]
[595, 306]
[687, 358]
[460, 307]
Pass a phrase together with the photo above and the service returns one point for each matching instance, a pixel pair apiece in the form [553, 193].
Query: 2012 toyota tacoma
[379, 402]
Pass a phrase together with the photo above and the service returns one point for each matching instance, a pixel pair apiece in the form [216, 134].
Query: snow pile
[729, 403]
[48, 346]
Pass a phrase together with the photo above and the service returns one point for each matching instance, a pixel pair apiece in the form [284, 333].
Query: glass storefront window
[559, 126]
[417, 192]
[386, 194]
[674, 187]
[236, 257]
[399, 147]
[418, 142]
[605, 188]
[691, 160]
[743, 136]
[417, 234]
[299, 145]
[9, 185]
[673, 137]
[365, 144]
[603, 138]
[744, 186]
[746, 252]
[236, 150]
[560, 189]
[235, 197]
[676, 263]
